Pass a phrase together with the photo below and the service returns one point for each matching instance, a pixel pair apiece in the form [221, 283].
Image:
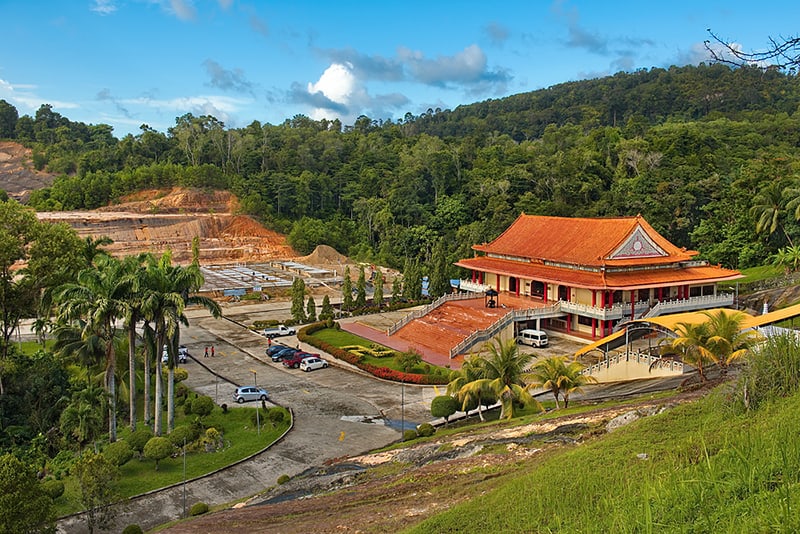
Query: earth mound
[325, 255]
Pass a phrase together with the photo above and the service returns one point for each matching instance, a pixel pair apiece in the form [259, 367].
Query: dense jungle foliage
[709, 155]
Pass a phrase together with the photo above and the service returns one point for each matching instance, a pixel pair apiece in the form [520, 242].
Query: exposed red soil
[17, 174]
[153, 221]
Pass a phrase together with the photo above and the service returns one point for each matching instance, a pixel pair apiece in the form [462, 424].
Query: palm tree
[548, 374]
[169, 289]
[573, 380]
[768, 209]
[133, 268]
[503, 370]
[726, 340]
[81, 419]
[97, 298]
[690, 346]
[470, 371]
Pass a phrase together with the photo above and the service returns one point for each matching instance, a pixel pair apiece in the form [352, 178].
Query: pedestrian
[269, 342]
[206, 353]
[212, 351]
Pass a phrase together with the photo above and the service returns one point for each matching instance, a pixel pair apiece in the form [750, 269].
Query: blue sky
[133, 62]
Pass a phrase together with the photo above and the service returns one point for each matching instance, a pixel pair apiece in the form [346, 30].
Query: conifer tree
[361, 289]
[347, 290]
[397, 290]
[298, 300]
[327, 309]
[311, 310]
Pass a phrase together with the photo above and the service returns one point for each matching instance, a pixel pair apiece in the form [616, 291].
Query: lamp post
[402, 407]
[258, 413]
[184, 476]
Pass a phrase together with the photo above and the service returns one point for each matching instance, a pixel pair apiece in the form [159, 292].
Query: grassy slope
[708, 469]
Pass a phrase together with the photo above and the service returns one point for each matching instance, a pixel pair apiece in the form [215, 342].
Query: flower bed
[305, 335]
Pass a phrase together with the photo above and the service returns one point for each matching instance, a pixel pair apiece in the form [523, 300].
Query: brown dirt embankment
[17, 175]
[153, 221]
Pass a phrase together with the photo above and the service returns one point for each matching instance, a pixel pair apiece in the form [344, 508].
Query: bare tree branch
[783, 53]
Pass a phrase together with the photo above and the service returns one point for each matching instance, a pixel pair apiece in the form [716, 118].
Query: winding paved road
[327, 405]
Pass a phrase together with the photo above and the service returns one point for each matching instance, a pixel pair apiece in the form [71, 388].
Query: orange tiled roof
[580, 241]
[601, 280]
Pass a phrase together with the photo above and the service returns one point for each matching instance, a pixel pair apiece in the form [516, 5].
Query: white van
[534, 338]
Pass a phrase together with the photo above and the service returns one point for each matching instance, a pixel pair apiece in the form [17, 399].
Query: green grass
[341, 338]
[31, 347]
[708, 468]
[138, 476]
[756, 274]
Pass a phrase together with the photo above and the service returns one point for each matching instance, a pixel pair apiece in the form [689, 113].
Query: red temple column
[660, 294]
[633, 302]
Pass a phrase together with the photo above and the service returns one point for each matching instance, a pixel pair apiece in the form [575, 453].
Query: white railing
[416, 314]
[639, 357]
[480, 336]
[721, 300]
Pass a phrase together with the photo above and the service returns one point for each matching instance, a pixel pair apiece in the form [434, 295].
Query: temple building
[582, 276]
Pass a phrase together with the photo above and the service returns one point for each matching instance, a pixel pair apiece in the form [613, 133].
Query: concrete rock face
[622, 420]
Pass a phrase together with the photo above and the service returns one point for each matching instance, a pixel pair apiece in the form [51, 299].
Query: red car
[293, 361]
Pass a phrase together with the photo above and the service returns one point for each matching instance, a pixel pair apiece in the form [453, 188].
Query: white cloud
[337, 83]
[25, 99]
[104, 7]
[183, 9]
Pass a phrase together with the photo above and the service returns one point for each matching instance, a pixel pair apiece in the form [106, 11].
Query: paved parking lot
[337, 412]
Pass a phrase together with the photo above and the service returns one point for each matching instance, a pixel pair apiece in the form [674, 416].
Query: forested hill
[709, 155]
[635, 100]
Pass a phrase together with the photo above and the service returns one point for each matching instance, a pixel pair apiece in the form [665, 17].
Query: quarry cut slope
[156, 220]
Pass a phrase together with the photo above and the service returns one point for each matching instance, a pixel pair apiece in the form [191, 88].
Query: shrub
[133, 529]
[118, 453]
[426, 430]
[444, 406]
[157, 449]
[202, 405]
[139, 439]
[53, 488]
[224, 408]
[189, 433]
[772, 371]
[276, 416]
[410, 434]
[198, 508]
[259, 416]
[283, 479]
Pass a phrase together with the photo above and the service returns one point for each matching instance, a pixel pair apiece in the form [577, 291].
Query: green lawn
[242, 439]
[341, 338]
[701, 467]
[762, 272]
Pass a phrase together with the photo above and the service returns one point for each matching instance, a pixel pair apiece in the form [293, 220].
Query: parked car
[294, 360]
[183, 354]
[285, 353]
[250, 393]
[273, 349]
[278, 331]
[309, 364]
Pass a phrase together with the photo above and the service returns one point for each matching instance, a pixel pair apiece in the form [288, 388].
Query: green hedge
[305, 335]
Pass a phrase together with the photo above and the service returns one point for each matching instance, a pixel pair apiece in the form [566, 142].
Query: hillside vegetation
[709, 155]
[699, 461]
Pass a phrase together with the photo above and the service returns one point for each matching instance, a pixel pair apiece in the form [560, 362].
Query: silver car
[309, 364]
[250, 393]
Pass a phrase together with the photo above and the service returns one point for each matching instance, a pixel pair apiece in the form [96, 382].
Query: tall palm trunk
[148, 355]
[132, 370]
[111, 384]
[157, 424]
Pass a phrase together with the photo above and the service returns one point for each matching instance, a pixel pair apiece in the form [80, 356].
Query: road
[338, 412]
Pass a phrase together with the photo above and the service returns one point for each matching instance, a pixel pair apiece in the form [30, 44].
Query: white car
[309, 364]
[183, 354]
